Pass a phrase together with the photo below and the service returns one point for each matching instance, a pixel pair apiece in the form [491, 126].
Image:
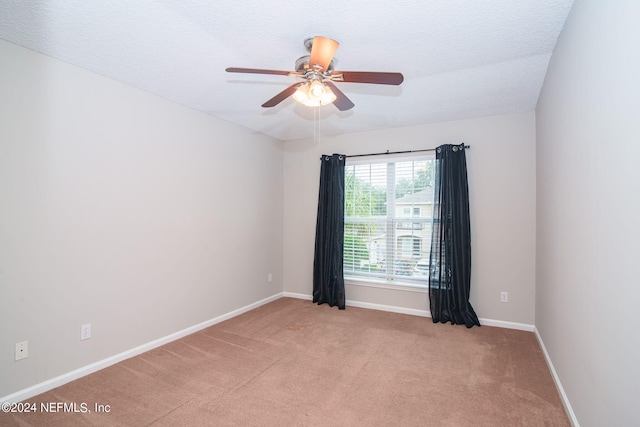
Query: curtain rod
[396, 152]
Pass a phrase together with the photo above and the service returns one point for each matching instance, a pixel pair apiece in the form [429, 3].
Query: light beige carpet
[294, 363]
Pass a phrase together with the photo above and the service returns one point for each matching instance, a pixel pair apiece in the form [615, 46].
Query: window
[388, 209]
[406, 211]
[409, 246]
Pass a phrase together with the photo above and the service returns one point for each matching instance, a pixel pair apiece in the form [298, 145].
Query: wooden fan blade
[322, 51]
[282, 96]
[371, 77]
[258, 71]
[342, 102]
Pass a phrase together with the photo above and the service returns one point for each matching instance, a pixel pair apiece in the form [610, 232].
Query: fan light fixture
[314, 94]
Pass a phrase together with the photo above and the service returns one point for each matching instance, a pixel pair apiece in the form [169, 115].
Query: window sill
[387, 284]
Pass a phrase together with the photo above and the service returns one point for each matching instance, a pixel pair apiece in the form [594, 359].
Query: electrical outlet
[504, 296]
[85, 332]
[270, 277]
[22, 350]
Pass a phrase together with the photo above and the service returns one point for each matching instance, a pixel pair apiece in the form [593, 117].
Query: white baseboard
[556, 380]
[507, 325]
[296, 295]
[416, 312]
[101, 364]
[371, 306]
[390, 308]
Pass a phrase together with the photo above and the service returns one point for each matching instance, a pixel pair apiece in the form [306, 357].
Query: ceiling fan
[316, 71]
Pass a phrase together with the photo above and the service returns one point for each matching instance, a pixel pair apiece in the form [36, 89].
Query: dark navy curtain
[328, 276]
[450, 260]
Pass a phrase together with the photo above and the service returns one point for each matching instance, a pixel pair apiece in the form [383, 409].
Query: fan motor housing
[302, 64]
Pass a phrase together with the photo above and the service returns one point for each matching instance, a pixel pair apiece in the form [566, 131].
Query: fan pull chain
[316, 125]
[319, 120]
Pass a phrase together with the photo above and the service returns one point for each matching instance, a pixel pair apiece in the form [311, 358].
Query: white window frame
[414, 284]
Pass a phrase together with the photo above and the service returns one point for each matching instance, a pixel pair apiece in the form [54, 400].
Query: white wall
[123, 210]
[588, 212]
[501, 168]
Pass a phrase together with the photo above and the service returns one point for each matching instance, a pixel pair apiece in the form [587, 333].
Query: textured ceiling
[460, 59]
